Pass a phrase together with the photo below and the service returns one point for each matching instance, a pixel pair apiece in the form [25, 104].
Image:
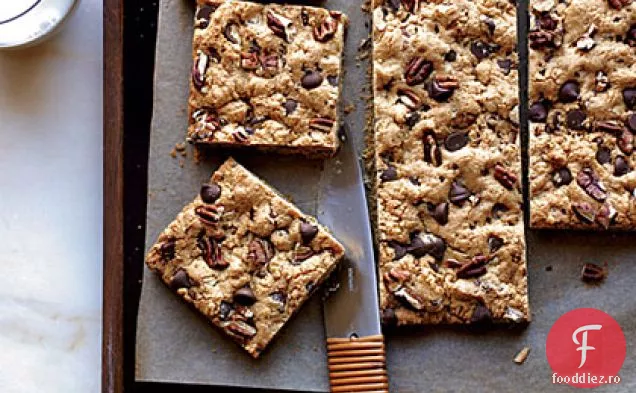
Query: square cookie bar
[243, 256]
[448, 188]
[582, 114]
[266, 76]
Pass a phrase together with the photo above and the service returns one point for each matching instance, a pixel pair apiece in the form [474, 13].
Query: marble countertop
[51, 210]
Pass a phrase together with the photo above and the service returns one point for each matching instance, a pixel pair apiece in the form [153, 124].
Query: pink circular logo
[585, 348]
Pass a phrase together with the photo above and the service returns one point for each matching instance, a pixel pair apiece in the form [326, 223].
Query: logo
[586, 348]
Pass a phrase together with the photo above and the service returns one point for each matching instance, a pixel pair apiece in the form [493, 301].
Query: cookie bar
[582, 114]
[449, 201]
[266, 76]
[243, 256]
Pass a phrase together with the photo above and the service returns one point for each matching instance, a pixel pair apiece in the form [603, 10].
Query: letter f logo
[583, 344]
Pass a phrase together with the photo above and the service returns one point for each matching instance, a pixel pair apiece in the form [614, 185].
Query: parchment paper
[175, 345]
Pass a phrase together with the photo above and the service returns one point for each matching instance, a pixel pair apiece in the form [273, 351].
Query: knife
[355, 345]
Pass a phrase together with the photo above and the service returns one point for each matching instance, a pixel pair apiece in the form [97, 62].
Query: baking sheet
[175, 345]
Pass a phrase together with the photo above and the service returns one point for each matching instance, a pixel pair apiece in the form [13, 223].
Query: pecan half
[321, 124]
[443, 87]
[608, 126]
[326, 30]
[432, 152]
[211, 250]
[475, 268]
[260, 252]
[209, 214]
[589, 181]
[417, 70]
[505, 177]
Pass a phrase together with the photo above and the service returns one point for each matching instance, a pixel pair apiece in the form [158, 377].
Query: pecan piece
[409, 98]
[326, 30]
[321, 124]
[619, 4]
[417, 70]
[411, 5]
[240, 329]
[249, 60]
[231, 33]
[606, 215]
[280, 25]
[625, 142]
[270, 63]
[475, 268]
[302, 253]
[198, 70]
[167, 250]
[608, 126]
[540, 39]
[211, 250]
[209, 214]
[240, 135]
[602, 82]
[592, 272]
[260, 252]
[505, 177]
[432, 152]
[409, 299]
[584, 212]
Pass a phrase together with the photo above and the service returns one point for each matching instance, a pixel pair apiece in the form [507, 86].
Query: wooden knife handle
[357, 365]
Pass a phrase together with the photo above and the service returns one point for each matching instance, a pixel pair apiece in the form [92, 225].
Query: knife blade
[355, 345]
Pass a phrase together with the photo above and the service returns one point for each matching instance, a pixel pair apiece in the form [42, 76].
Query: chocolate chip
[569, 91]
[244, 296]
[167, 250]
[225, 309]
[629, 96]
[290, 106]
[541, 39]
[562, 177]
[304, 17]
[458, 193]
[603, 155]
[538, 112]
[308, 232]
[389, 174]
[584, 212]
[388, 317]
[631, 122]
[412, 119]
[491, 25]
[630, 37]
[505, 65]
[333, 80]
[417, 70]
[450, 56]
[210, 192]
[494, 243]
[280, 298]
[203, 15]
[439, 212]
[481, 315]
[311, 79]
[456, 140]
[180, 280]
[480, 50]
[498, 209]
[575, 119]
[592, 273]
[546, 22]
[621, 166]
[427, 244]
[394, 5]
[398, 249]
